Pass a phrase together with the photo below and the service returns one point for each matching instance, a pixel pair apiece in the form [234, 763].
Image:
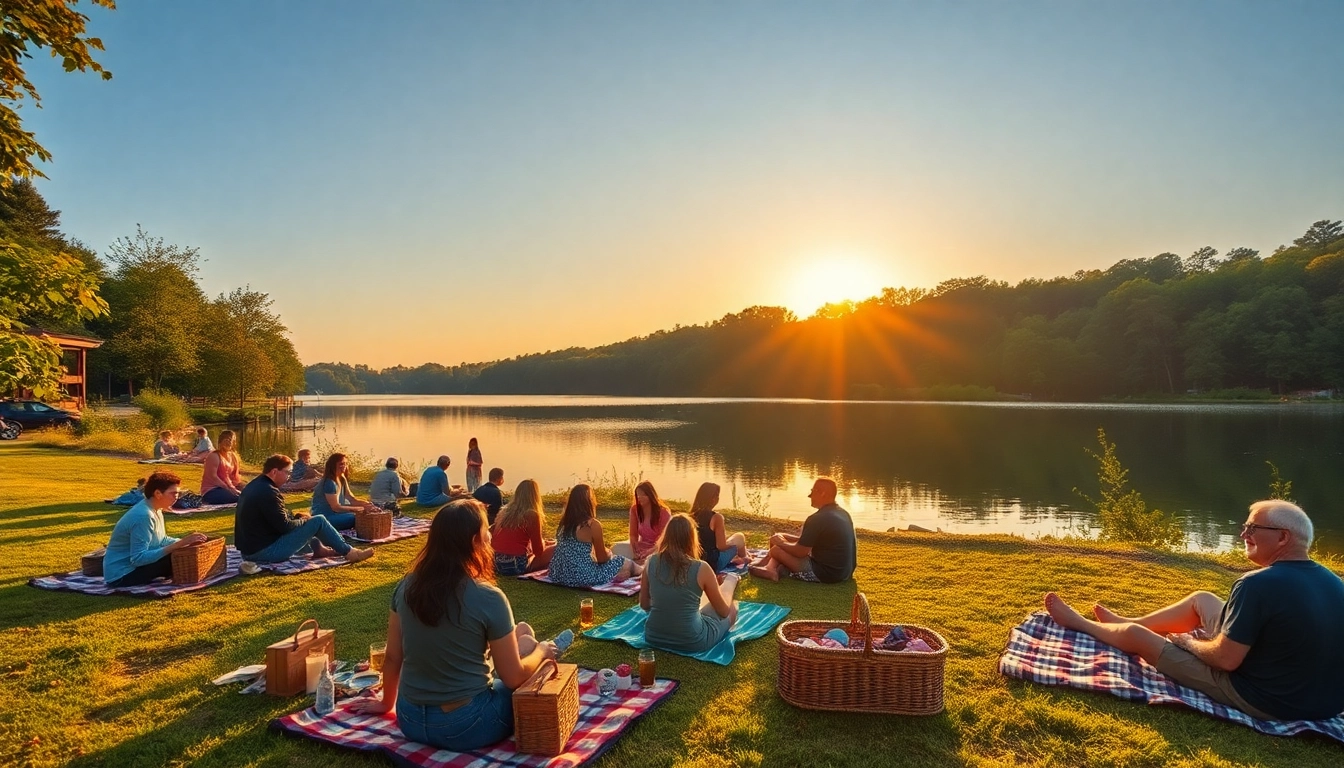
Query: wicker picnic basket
[194, 564]
[92, 563]
[372, 525]
[546, 709]
[854, 680]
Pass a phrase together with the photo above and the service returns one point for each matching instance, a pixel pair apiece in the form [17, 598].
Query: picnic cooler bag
[372, 526]
[92, 563]
[286, 672]
[194, 564]
[866, 680]
[546, 709]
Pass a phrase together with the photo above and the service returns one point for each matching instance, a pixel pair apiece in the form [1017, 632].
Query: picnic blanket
[630, 587]
[602, 720]
[753, 620]
[76, 581]
[168, 460]
[181, 512]
[402, 528]
[1041, 651]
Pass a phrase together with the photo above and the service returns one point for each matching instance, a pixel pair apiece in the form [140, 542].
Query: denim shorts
[487, 719]
[511, 565]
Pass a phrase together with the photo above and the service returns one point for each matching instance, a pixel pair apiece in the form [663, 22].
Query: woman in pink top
[220, 481]
[516, 538]
[648, 518]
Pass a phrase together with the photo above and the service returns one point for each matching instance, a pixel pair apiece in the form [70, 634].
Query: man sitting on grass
[434, 489]
[1272, 650]
[387, 485]
[202, 447]
[826, 550]
[265, 531]
[303, 476]
[490, 495]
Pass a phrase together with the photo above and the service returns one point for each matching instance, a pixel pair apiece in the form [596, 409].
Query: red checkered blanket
[402, 528]
[602, 719]
[1041, 651]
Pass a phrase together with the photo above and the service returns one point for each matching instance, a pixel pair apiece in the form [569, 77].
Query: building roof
[68, 339]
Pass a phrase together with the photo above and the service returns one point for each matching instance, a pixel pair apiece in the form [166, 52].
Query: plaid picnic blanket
[76, 581]
[183, 460]
[753, 620]
[402, 528]
[630, 587]
[1041, 651]
[602, 719]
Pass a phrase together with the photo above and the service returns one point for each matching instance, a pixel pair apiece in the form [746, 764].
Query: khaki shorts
[1186, 668]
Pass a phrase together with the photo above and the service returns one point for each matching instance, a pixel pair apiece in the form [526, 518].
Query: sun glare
[830, 280]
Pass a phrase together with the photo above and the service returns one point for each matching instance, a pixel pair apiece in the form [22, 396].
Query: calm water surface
[969, 468]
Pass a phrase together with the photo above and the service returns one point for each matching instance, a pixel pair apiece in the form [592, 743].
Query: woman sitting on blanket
[690, 610]
[448, 626]
[139, 550]
[165, 447]
[648, 518]
[719, 549]
[581, 559]
[516, 538]
[221, 482]
[332, 498]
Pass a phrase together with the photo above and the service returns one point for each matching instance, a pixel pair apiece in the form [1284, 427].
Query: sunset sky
[450, 182]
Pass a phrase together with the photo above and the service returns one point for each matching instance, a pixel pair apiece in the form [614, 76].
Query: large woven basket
[854, 680]
[194, 564]
[546, 709]
[92, 563]
[373, 525]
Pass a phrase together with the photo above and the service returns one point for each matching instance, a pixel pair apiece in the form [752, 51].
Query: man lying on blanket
[1271, 651]
[265, 531]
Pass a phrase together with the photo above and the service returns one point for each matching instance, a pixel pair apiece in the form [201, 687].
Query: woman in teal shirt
[690, 610]
[448, 623]
[332, 497]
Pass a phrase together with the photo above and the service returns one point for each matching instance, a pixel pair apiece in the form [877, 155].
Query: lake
[961, 467]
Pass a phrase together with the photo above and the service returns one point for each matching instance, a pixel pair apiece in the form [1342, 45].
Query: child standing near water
[474, 464]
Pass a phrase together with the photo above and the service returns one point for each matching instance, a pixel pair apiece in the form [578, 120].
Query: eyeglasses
[1249, 529]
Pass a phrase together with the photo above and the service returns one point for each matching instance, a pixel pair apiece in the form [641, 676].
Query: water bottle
[326, 693]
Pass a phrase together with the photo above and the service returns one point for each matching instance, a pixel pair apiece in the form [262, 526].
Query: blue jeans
[486, 720]
[298, 540]
[341, 521]
[219, 495]
[437, 501]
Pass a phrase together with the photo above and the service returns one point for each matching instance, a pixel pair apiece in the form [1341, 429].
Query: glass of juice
[648, 668]
[586, 612]
[377, 652]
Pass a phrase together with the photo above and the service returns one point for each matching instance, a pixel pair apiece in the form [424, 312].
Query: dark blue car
[32, 414]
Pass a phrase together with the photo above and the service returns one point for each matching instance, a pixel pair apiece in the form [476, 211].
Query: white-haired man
[1272, 650]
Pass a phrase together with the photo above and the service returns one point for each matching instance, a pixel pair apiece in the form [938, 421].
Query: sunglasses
[1249, 529]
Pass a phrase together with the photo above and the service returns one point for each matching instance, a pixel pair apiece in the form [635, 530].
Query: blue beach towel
[753, 620]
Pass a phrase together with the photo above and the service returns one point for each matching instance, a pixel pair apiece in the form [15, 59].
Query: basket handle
[300, 630]
[540, 679]
[861, 611]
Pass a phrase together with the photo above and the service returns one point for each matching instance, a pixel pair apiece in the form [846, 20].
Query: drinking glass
[377, 652]
[648, 668]
[586, 612]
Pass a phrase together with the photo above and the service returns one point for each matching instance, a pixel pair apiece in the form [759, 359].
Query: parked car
[31, 414]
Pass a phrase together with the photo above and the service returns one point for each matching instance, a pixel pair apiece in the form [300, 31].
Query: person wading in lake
[826, 550]
[1272, 650]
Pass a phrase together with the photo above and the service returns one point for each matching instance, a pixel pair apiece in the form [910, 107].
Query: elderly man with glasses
[1272, 650]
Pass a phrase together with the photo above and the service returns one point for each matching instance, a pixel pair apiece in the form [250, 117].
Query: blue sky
[448, 182]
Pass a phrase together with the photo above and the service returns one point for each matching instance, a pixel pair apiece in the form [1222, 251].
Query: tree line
[1146, 326]
[143, 297]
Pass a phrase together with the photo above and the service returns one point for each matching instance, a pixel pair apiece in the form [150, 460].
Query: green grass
[125, 681]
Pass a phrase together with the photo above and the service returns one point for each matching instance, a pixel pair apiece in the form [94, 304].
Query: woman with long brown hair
[648, 517]
[719, 549]
[690, 610]
[516, 537]
[221, 482]
[332, 497]
[449, 623]
[581, 558]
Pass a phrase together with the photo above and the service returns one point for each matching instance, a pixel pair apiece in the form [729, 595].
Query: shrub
[164, 409]
[1121, 511]
[208, 415]
[1278, 487]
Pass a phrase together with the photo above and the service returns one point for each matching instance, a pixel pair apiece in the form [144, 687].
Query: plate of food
[363, 680]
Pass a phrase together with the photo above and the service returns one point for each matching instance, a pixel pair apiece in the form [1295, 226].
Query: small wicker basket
[546, 709]
[92, 563]
[867, 680]
[373, 525]
[194, 564]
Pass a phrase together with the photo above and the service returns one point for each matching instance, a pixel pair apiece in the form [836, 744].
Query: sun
[831, 279]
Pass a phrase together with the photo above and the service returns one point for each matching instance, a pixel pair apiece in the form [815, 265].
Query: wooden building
[74, 358]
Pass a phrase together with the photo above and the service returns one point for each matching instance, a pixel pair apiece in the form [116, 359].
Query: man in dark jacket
[265, 531]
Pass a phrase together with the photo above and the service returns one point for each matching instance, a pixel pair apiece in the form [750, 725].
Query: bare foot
[761, 572]
[356, 555]
[320, 552]
[1107, 616]
[1062, 614]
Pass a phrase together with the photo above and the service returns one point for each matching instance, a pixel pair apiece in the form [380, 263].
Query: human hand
[548, 650]
[370, 706]
[1182, 640]
[776, 539]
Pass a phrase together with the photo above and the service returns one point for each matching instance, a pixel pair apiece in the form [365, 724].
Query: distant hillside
[1162, 325]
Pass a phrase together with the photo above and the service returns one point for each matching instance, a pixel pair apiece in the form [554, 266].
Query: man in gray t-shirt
[825, 551]
[387, 485]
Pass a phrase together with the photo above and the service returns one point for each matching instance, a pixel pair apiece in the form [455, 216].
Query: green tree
[30, 25]
[1121, 510]
[1321, 234]
[1202, 260]
[251, 311]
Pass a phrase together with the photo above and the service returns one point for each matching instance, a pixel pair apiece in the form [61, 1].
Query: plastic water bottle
[326, 693]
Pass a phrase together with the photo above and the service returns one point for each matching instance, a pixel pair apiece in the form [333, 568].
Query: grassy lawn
[125, 681]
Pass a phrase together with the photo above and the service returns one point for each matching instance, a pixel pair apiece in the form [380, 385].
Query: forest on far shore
[1161, 326]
